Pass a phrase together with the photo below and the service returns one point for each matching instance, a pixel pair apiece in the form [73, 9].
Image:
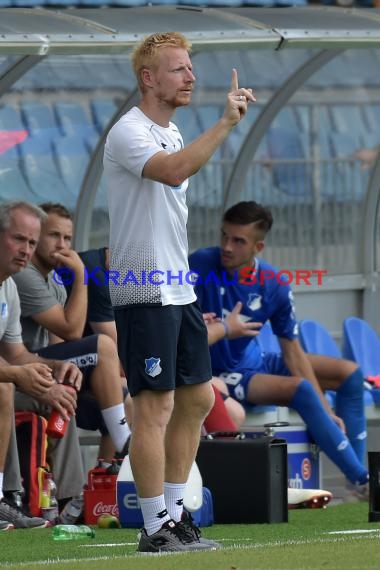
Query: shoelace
[184, 533]
[190, 528]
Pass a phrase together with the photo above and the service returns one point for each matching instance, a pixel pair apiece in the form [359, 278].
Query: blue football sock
[350, 407]
[326, 433]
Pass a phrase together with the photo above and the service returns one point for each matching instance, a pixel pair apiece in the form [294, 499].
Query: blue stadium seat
[351, 180]
[73, 119]
[262, 3]
[290, 172]
[39, 119]
[316, 339]
[10, 118]
[208, 115]
[102, 112]
[41, 171]
[164, 2]
[348, 119]
[41, 76]
[13, 185]
[35, 144]
[211, 3]
[286, 120]
[62, 2]
[72, 158]
[292, 2]
[211, 71]
[130, 2]
[267, 340]
[343, 145]
[372, 116]
[91, 141]
[362, 345]
[100, 201]
[28, 3]
[93, 2]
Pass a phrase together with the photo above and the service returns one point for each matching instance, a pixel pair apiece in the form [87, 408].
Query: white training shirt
[10, 312]
[148, 237]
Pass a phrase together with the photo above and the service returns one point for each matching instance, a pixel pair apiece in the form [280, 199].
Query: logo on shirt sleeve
[4, 311]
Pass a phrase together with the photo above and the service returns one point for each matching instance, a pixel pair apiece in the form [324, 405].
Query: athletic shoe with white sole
[194, 532]
[308, 498]
[170, 538]
[5, 525]
[18, 519]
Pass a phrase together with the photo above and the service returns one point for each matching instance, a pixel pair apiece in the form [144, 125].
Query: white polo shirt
[148, 237]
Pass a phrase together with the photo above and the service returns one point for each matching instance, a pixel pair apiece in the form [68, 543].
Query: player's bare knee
[106, 346]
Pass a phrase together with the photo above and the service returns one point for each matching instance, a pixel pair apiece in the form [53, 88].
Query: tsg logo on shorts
[153, 366]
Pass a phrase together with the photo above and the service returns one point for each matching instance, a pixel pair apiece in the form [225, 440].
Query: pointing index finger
[234, 80]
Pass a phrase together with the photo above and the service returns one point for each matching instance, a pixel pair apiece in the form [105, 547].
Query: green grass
[311, 540]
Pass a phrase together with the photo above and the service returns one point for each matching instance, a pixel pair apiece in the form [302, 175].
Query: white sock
[114, 418]
[1, 485]
[154, 513]
[173, 493]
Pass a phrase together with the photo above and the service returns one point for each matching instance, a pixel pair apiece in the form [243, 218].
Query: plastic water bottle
[72, 510]
[72, 532]
[49, 503]
[193, 495]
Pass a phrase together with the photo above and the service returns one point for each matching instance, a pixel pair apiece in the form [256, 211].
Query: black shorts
[84, 353]
[162, 348]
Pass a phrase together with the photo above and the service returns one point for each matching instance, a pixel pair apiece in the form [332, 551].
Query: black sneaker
[18, 519]
[170, 538]
[190, 528]
[5, 525]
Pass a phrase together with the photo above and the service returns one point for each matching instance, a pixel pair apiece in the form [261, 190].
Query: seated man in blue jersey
[232, 273]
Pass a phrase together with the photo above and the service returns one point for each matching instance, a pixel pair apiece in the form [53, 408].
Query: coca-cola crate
[97, 502]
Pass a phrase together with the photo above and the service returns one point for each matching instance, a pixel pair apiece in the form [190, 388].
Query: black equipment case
[246, 476]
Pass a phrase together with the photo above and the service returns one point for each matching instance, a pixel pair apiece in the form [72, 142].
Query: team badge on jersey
[4, 311]
[153, 366]
[254, 301]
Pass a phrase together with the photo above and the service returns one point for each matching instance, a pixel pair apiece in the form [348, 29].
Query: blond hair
[145, 53]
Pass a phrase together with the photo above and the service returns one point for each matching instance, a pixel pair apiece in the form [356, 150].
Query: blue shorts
[237, 381]
[162, 348]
